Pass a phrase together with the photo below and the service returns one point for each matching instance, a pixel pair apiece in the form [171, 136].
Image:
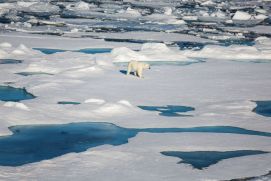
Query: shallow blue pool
[203, 159]
[33, 73]
[33, 143]
[95, 50]
[86, 50]
[8, 93]
[68, 102]
[169, 110]
[263, 108]
[49, 50]
[10, 61]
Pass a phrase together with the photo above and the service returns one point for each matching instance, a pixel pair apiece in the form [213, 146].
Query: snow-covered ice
[62, 63]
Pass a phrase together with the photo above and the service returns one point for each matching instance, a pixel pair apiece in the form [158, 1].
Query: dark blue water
[247, 42]
[183, 45]
[8, 93]
[10, 61]
[169, 110]
[33, 73]
[68, 102]
[263, 108]
[49, 50]
[203, 159]
[95, 50]
[86, 50]
[33, 143]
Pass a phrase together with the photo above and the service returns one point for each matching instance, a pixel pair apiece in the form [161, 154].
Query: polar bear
[137, 67]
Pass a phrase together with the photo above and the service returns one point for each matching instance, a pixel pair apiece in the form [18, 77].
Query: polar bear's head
[146, 66]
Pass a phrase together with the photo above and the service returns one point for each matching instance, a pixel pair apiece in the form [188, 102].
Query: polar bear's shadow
[123, 72]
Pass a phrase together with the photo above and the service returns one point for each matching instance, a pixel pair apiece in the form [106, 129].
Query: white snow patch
[148, 52]
[17, 105]
[125, 102]
[94, 101]
[5, 45]
[113, 109]
[261, 16]
[233, 52]
[3, 54]
[130, 12]
[240, 15]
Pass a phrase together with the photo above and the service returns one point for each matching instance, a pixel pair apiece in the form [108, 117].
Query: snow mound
[148, 52]
[261, 17]
[111, 109]
[83, 6]
[94, 101]
[3, 54]
[82, 72]
[164, 19]
[22, 50]
[17, 105]
[5, 45]
[240, 15]
[25, 4]
[42, 9]
[157, 47]
[168, 10]
[233, 52]
[124, 54]
[126, 103]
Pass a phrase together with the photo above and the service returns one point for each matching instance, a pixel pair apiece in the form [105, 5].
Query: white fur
[137, 67]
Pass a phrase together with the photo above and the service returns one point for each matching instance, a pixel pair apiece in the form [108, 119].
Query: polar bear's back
[136, 65]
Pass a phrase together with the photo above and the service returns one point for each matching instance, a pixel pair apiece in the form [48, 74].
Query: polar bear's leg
[139, 72]
[129, 69]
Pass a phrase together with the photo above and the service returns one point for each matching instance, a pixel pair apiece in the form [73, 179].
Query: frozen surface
[207, 91]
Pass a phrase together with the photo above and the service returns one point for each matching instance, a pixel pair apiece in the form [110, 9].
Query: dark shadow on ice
[169, 110]
[123, 72]
[68, 102]
[184, 45]
[8, 93]
[263, 108]
[33, 73]
[95, 50]
[34, 143]
[204, 159]
[10, 61]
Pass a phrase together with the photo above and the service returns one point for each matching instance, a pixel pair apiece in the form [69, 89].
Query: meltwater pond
[49, 50]
[33, 73]
[68, 103]
[10, 61]
[33, 143]
[86, 50]
[169, 110]
[8, 93]
[263, 108]
[203, 159]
